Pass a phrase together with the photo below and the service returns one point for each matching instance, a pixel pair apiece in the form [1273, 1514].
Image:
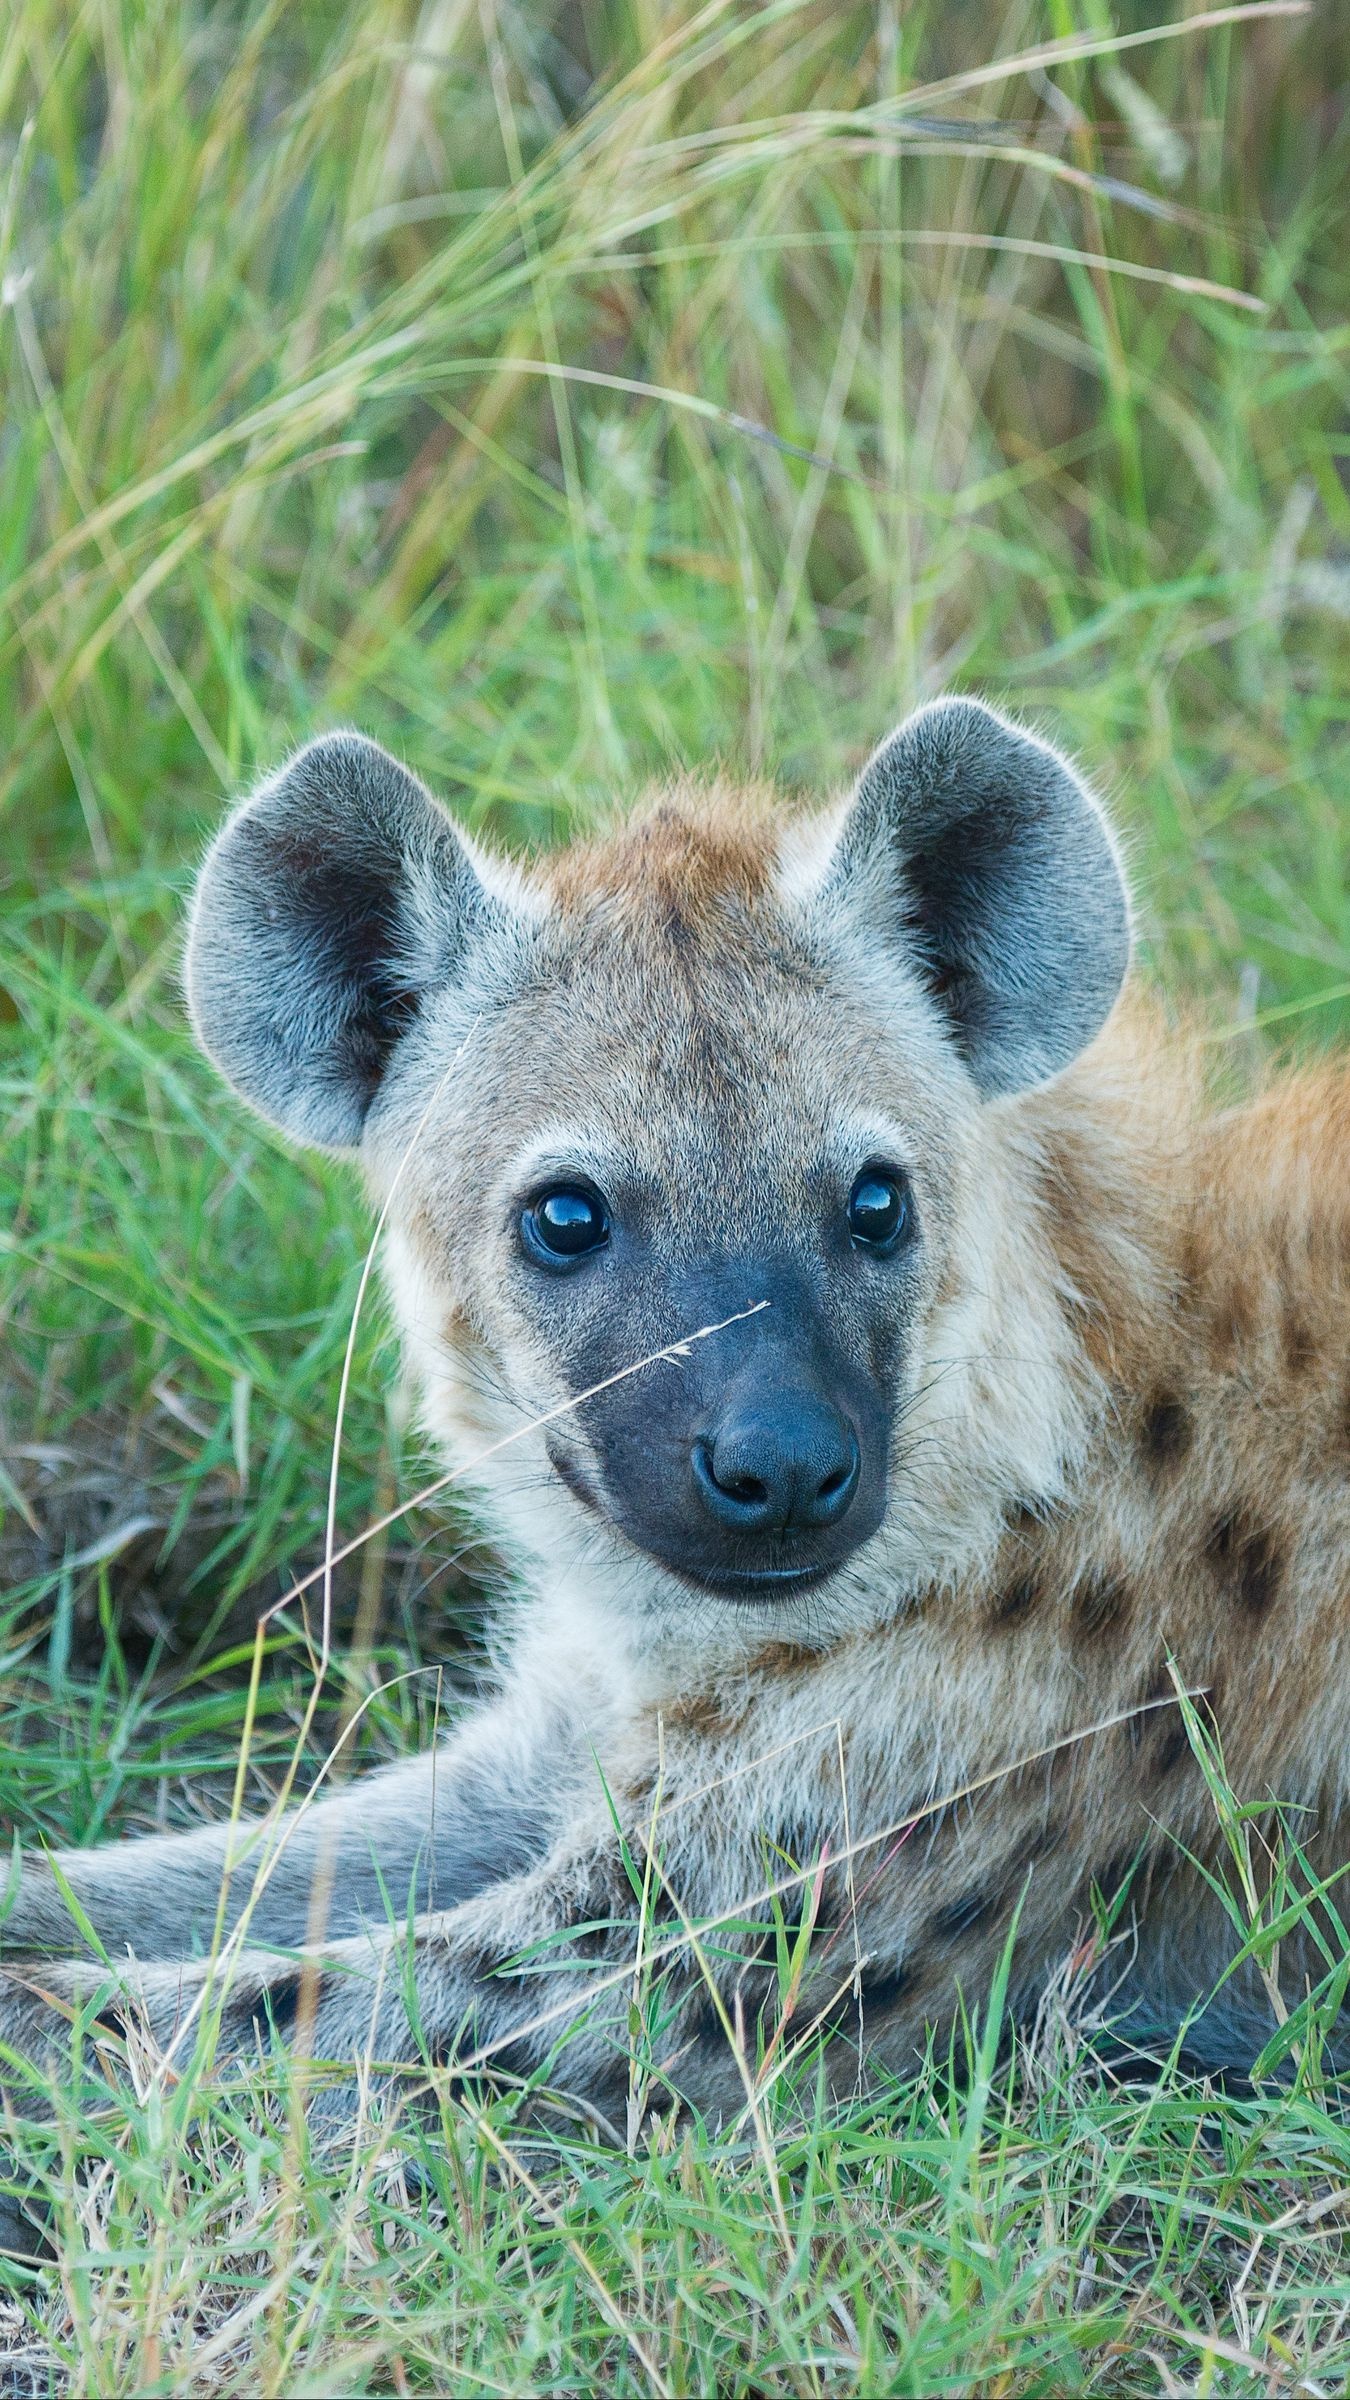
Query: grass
[563, 392]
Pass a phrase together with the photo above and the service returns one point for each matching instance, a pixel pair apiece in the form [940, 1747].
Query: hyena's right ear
[978, 852]
[329, 906]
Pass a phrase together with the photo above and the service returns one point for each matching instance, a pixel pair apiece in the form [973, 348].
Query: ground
[563, 393]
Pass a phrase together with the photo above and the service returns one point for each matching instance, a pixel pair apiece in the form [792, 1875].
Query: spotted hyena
[995, 1384]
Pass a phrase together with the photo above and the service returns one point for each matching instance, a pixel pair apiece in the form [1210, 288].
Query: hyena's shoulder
[1205, 1255]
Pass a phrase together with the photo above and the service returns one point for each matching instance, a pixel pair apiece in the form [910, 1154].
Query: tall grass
[564, 392]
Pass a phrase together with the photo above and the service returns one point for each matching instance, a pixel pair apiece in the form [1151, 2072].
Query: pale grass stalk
[637, 2083]
[676, 1349]
[1066, 50]
[850, 1884]
[1074, 46]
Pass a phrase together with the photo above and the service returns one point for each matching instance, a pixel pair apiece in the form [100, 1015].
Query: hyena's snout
[778, 1462]
[784, 1473]
[752, 1475]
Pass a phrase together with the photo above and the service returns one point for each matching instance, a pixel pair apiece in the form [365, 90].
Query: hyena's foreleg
[539, 1975]
[419, 1835]
[540, 1963]
[740, 1943]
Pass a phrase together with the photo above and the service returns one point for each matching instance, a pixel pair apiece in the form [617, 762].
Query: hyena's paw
[50, 2007]
[337, 2009]
[64, 2022]
[341, 2014]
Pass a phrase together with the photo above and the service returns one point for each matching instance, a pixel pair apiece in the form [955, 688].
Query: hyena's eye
[879, 1211]
[566, 1222]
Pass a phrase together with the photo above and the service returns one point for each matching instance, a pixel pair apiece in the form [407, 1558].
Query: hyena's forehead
[682, 861]
[680, 1015]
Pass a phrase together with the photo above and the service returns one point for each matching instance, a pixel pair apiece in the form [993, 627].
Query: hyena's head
[722, 1065]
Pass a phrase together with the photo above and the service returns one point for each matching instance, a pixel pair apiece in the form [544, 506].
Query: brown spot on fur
[1158, 1735]
[478, 1965]
[279, 2005]
[1047, 1838]
[1025, 1520]
[1208, 1702]
[783, 1658]
[1117, 1870]
[1172, 1746]
[1141, 1727]
[702, 1713]
[1299, 1341]
[1098, 1601]
[1234, 1323]
[591, 1941]
[1249, 1559]
[958, 1916]
[704, 2023]
[1190, 1265]
[514, 2058]
[1167, 1432]
[882, 1987]
[1016, 1603]
[860, 2013]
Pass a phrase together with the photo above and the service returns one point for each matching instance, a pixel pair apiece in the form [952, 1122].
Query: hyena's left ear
[330, 906]
[981, 850]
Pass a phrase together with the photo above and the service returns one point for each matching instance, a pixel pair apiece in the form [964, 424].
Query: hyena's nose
[782, 1463]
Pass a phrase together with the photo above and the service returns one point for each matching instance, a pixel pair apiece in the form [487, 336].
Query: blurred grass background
[563, 392]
